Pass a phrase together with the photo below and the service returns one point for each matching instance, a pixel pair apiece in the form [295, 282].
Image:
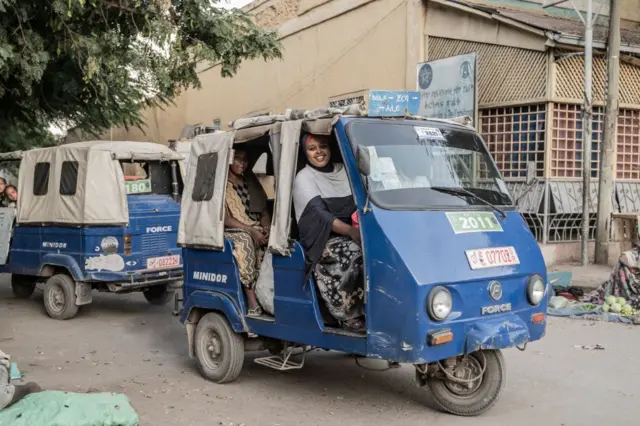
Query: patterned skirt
[248, 254]
[339, 278]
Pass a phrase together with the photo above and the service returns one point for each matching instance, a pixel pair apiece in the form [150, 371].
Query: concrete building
[530, 86]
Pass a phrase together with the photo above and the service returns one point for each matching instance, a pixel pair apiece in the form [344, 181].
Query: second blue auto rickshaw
[452, 274]
[95, 215]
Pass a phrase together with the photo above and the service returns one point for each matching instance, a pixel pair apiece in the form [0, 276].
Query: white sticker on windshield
[502, 186]
[373, 161]
[386, 165]
[428, 133]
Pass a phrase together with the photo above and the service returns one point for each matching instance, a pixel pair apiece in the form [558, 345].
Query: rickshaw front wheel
[471, 386]
[219, 350]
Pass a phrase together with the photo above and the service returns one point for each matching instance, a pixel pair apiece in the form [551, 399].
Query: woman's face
[12, 194]
[240, 163]
[318, 151]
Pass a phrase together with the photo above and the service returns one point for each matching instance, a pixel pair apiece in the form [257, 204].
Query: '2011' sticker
[466, 222]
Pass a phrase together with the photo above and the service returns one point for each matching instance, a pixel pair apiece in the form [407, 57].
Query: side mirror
[363, 160]
[531, 172]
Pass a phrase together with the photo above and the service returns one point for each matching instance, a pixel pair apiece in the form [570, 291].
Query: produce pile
[618, 305]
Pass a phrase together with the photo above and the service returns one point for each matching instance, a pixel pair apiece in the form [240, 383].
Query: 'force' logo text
[210, 276]
[156, 229]
[54, 245]
[496, 309]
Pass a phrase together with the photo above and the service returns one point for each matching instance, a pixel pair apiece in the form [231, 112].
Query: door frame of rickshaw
[8, 214]
[323, 126]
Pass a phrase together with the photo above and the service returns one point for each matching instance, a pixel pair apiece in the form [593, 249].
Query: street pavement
[122, 344]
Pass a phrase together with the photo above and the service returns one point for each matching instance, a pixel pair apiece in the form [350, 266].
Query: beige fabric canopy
[99, 196]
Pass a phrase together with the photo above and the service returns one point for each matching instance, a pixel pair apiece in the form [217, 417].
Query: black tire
[158, 295]
[219, 350]
[479, 400]
[23, 285]
[60, 297]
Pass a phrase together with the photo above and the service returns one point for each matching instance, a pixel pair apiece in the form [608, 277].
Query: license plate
[492, 257]
[163, 262]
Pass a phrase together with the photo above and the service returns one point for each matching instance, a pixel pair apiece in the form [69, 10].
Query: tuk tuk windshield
[417, 165]
[150, 178]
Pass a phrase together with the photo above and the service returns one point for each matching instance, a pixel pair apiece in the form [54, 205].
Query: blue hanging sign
[391, 103]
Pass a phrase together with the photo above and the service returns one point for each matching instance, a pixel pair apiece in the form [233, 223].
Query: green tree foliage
[95, 63]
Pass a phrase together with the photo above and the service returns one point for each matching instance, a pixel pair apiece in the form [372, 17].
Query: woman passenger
[247, 224]
[10, 196]
[324, 204]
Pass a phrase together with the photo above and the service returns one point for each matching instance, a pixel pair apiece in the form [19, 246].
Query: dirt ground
[122, 344]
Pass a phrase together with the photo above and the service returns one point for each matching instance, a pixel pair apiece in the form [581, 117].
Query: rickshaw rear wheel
[60, 297]
[23, 286]
[158, 295]
[477, 396]
[219, 350]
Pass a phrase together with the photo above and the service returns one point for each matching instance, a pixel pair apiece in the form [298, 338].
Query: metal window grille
[566, 141]
[514, 137]
[500, 70]
[628, 145]
[346, 102]
[570, 79]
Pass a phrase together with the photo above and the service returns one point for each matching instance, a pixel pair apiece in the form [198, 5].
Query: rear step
[283, 361]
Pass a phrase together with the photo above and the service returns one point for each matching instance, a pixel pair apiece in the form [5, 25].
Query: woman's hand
[266, 231]
[354, 234]
[258, 235]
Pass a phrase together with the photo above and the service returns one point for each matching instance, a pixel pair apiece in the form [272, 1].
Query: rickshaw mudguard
[63, 261]
[497, 333]
[213, 301]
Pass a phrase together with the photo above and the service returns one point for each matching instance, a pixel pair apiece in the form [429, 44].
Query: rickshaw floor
[343, 332]
[263, 317]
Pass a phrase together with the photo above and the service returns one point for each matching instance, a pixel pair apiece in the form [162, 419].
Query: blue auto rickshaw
[452, 274]
[97, 215]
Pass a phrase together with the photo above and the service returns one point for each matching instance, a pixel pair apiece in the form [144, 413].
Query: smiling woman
[323, 204]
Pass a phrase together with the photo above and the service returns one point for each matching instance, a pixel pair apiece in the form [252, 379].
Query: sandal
[355, 324]
[255, 312]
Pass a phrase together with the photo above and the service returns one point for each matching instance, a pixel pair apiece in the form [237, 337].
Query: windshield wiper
[462, 191]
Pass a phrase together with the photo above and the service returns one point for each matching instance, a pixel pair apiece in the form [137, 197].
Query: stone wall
[271, 14]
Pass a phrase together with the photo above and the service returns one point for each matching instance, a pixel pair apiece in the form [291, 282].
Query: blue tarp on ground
[54, 408]
[577, 310]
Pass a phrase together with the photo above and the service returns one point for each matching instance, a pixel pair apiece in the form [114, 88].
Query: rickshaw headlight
[109, 245]
[439, 303]
[535, 290]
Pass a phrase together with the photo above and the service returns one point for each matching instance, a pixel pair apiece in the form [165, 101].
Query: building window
[628, 145]
[515, 136]
[566, 141]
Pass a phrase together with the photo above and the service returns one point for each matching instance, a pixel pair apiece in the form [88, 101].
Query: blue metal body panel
[152, 227]
[407, 254]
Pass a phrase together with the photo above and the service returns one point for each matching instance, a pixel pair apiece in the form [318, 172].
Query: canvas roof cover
[202, 210]
[80, 183]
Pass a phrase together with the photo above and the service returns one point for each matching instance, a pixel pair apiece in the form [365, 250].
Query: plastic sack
[265, 285]
[558, 302]
[54, 408]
